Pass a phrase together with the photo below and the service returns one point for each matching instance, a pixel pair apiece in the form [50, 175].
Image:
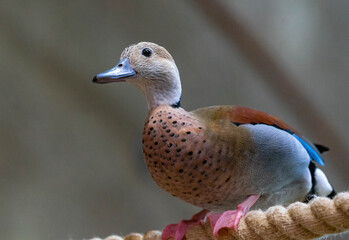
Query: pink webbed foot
[230, 219]
[177, 231]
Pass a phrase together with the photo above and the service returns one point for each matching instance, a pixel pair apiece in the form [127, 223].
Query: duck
[223, 159]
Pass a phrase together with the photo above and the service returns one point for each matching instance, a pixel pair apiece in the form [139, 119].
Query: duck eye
[146, 52]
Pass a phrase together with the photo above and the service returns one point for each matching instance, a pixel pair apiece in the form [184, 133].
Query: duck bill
[119, 73]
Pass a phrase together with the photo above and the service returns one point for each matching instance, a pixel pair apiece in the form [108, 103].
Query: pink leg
[177, 231]
[230, 219]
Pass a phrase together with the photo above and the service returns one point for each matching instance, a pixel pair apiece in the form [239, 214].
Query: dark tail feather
[321, 148]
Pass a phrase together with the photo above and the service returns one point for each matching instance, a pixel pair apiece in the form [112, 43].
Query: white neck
[156, 95]
[163, 89]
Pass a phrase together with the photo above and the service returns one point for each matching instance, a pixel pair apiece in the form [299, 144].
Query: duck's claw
[178, 231]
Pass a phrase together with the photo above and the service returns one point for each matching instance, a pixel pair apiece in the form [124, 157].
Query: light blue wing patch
[313, 153]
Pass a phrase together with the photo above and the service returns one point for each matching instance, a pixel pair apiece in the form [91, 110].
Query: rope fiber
[321, 216]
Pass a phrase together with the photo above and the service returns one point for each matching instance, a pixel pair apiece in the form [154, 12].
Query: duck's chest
[182, 158]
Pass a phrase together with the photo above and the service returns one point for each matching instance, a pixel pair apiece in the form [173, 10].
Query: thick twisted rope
[320, 217]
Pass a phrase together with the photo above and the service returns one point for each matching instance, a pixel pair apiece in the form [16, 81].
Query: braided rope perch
[320, 217]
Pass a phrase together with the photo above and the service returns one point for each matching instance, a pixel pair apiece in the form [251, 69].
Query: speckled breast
[183, 161]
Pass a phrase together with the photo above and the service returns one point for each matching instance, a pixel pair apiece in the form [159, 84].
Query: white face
[156, 73]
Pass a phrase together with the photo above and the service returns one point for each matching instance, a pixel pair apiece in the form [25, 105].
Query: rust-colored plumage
[244, 115]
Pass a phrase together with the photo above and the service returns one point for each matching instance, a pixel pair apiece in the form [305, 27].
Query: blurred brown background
[71, 165]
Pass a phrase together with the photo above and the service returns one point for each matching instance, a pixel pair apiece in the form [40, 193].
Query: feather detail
[243, 115]
[311, 149]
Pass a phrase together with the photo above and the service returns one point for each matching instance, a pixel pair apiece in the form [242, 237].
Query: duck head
[149, 67]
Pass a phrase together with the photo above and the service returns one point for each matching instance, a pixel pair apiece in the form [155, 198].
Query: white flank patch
[322, 186]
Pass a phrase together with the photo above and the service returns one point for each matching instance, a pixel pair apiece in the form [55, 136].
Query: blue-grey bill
[117, 74]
